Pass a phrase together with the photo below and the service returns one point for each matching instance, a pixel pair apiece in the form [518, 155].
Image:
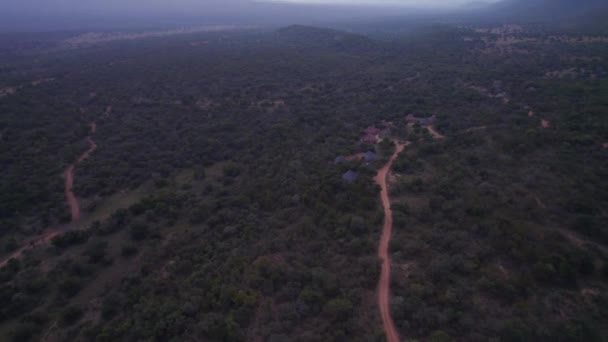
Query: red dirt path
[49, 234]
[385, 276]
[68, 174]
[545, 123]
[434, 132]
[33, 243]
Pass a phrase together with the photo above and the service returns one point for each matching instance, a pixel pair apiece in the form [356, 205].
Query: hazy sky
[60, 14]
[188, 5]
[413, 3]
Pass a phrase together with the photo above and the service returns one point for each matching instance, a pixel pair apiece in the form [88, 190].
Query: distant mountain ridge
[546, 9]
[476, 5]
[301, 36]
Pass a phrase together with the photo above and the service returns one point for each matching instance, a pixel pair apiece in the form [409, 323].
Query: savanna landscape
[300, 183]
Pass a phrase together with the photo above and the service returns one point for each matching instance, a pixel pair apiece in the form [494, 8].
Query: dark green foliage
[96, 251]
[70, 238]
[339, 309]
[70, 286]
[11, 245]
[25, 332]
[128, 250]
[231, 170]
[217, 162]
[70, 315]
[139, 231]
[9, 270]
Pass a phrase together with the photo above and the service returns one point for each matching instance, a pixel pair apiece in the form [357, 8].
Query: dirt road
[434, 132]
[49, 234]
[385, 276]
[68, 175]
[41, 240]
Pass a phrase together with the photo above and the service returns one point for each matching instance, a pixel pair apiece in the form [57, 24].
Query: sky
[196, 5]
[411, 3]
[72, 14]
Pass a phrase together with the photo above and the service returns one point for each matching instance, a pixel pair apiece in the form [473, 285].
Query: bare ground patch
[7, 91]
[545, 123]
[435, 133]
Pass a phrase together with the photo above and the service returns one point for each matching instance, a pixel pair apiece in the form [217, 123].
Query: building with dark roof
[350, 176]
[372, 130]
[422, 121]
[370, 139]
[340, 160]
[370, 157]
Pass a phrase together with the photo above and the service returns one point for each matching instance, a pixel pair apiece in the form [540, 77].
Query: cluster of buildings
[367, 157]
[411, 118]
[351, 175]
[373, 134]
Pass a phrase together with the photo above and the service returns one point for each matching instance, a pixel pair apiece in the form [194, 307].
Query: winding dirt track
[434, 132]
[385, 276]
[68, 174]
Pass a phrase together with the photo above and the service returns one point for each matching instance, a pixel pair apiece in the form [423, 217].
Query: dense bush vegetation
[214, 210]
